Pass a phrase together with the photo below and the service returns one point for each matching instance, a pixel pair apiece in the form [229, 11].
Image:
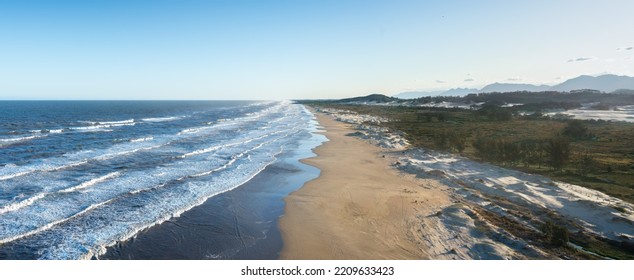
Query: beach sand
[359, 207]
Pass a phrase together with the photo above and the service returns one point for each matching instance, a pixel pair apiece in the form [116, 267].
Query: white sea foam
[91, 183]
[188, 130]
[101, 216]
[143, 139]
[102, 126]
[20, 139]
[116, 122]
[51, 131]
[162, 119]
[13, 175]
[100, 249]
[201, 151]
[21, 204]
[52, 224]
[125, 152]
[214, 148]
[135, 183]
[17, 171]
[76, 159]
[65, 166]
[80, 158]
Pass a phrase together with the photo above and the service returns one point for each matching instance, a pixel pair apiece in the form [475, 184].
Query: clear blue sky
[301, 49]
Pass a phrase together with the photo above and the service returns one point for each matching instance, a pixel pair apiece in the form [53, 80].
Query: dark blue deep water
[79, 176]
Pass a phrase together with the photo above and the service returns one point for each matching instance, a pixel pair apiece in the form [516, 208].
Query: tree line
[554, 151]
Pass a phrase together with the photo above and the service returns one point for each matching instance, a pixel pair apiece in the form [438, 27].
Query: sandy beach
[359, 207]
[377, 198]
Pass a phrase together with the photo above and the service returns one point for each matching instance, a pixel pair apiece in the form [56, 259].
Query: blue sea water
[79, 176]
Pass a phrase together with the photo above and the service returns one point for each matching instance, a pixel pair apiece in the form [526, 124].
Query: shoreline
[240, 224]
[359, 207]
[378, 198]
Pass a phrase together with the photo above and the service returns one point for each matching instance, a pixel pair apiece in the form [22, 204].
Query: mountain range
[604, 83]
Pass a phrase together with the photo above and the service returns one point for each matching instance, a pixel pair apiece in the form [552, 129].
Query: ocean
[149, 179]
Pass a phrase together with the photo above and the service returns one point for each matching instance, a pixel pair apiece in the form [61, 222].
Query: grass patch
[606, 248]
[602, 158]
[596, 155]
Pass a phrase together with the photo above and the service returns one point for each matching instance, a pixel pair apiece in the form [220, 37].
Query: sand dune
[378, 199]
[359, 207]
[362, 208]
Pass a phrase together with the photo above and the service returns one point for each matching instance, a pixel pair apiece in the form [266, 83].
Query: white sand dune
[480, 183]
[458, 232]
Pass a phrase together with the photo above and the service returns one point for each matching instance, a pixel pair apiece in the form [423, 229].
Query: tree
[441, 117]
[529, 152]
[556, 235]
[486, 148]
[457, 142]
[495, 113]
[480, 144]
[575, 129]
[511, 151]
[558, 149]
[586, 164]
[441, 140]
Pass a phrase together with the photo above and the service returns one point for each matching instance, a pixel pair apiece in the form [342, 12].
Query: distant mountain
[605, 83]
[372, 98]
[417, 94]
[451, 92]
[459, 91]
[503, 87]
[624, 91]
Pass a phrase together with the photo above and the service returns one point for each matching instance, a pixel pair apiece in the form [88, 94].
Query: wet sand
[238, 224]
[359, 207]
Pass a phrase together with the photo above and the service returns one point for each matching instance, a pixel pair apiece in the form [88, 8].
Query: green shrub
[555, 234]
[558, 149]
[576, 129]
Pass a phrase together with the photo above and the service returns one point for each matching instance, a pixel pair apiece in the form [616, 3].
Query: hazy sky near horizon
[258, 50]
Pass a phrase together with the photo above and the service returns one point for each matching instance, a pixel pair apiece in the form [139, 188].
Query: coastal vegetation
[597, 154]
